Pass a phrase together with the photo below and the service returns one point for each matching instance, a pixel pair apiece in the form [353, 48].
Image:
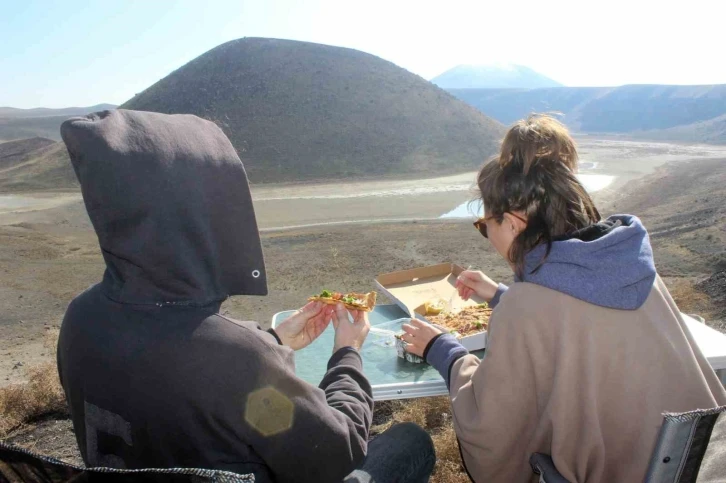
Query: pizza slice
[352, 301]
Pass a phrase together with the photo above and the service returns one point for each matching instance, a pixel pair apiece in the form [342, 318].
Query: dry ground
[48, 256]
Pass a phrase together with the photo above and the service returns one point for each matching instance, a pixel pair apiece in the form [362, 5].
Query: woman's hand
[471, 282]
[349, 334]
[417, 335]
[305, 326]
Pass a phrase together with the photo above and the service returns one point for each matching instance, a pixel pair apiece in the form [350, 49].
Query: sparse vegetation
[41, 396]
[434, 415]
[25, 403]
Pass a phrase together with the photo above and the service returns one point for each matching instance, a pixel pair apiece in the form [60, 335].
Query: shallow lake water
[10, 202]
[592, 182]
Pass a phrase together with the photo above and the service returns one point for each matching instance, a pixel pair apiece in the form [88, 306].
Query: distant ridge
[15, 113]
[26, 123]
[493, 76]
[304, 111]
[641, 109]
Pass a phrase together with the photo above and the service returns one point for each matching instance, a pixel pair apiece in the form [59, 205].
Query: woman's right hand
[471, 282]
[349, 334]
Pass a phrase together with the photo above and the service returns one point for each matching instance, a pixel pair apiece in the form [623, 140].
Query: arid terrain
[343, 235]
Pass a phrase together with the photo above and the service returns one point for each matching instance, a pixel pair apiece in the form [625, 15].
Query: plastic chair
[690, 447]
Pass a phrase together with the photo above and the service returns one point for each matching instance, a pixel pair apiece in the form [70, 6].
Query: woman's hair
[534, 173]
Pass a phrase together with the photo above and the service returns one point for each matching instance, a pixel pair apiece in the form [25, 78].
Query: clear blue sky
[73, 53]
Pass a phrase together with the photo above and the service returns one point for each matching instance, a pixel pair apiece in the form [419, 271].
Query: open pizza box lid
[411, 289]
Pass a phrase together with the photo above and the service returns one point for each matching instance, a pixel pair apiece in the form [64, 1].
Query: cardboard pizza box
[411, 289]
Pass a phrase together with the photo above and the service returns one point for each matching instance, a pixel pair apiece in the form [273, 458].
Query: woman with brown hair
[586, 349]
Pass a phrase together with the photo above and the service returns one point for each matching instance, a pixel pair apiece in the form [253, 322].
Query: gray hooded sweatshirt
[153, 374]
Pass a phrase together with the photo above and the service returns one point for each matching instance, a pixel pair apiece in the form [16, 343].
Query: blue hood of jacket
[615, 269]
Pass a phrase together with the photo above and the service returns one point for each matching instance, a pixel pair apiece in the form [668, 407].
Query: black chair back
[18, 465]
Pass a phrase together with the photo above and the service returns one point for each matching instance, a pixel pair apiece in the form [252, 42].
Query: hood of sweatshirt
[170, 202]
[608, 264]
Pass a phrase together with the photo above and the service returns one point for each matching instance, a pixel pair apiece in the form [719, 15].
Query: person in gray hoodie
[154, 375]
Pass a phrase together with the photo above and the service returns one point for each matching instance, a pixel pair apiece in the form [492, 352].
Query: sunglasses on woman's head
[481, 223]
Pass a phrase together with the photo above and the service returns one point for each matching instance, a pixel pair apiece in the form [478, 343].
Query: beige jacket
[584, 383]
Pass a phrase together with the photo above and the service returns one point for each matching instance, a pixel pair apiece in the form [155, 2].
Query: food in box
[433, 288]
[464, 322]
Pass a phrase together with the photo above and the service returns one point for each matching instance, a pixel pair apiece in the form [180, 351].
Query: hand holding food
[462, 322]
[305, 326]
[471, 282]
[349, 334]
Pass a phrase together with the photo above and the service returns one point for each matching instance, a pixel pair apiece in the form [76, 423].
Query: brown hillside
[303, 111]
[27, 123]
[684, 208]
[13, 153]
[44, 169]
[711, 131]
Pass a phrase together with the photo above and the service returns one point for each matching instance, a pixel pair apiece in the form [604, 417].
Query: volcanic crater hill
[303, 111]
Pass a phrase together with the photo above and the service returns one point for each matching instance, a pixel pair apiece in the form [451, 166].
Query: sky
[82, 53]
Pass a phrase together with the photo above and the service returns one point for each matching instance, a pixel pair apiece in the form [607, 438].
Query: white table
[712, 343]
[413, 380]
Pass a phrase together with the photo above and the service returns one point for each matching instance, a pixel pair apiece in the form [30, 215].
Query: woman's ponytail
[535, 174]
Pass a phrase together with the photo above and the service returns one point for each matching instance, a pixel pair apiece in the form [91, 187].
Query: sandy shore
[304, 205]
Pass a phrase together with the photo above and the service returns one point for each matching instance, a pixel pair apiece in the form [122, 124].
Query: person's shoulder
[525, 295]
[230, 348]
[241, 332]
[228, 323]
[84, 300]
[526, 303]
[92, 292]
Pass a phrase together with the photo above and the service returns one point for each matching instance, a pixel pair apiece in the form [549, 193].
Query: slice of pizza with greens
[353, 301]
